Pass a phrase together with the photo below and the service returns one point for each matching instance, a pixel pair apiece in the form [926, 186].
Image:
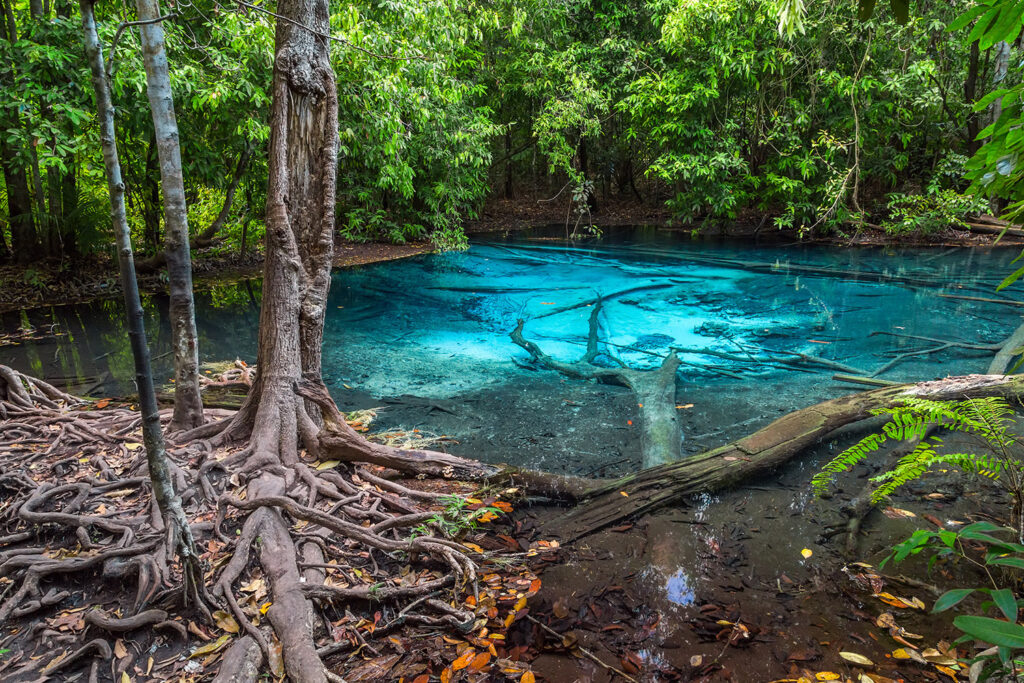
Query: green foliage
[927, 214]
[987, 419]
[455, 520]
[1001, 559]
[726, 108]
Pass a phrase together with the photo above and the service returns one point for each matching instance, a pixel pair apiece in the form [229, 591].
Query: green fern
[988, 419]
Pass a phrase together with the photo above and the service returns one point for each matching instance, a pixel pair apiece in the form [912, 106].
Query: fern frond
[988, 419]
[845, 461]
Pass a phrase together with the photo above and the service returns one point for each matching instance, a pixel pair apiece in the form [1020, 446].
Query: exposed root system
[316, 568]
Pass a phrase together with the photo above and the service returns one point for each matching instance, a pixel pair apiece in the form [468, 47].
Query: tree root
[305, 529]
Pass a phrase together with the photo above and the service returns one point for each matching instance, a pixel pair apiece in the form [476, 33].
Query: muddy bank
[747, 586]
[50, 284]
[515, 215]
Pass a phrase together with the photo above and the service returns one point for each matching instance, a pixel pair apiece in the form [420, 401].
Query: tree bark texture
[188, 404]
[167, 499]
[299, 232]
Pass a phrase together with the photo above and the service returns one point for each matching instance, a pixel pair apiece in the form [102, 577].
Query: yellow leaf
[528, 677]
[225, 621]
[327, 464]
[854, 658]
[125, 678]
[474, 547]
[827, 676]
[119, 649]
[900, 654]
[210, 648]
[264, 607]
[133, 446]
[623, 493]
[806, 552]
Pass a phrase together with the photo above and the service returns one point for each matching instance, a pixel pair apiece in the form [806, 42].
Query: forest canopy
[713, 110]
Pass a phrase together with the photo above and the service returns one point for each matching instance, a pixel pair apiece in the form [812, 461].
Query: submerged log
[661, 436]
[757, 454]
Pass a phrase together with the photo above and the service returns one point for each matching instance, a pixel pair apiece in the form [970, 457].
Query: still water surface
[437, 326]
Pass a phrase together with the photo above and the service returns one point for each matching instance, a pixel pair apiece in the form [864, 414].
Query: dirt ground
[746, 586]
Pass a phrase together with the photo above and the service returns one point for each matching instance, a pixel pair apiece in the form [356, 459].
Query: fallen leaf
[528, 677]
[119, 649]
[463, 661]
[225, 621]
[806, 552]
[696, 660]
[276, 658]
[827, 676]
[327, 464]
[480, 661]
[854, 658]
[212, 647]
[897, 513]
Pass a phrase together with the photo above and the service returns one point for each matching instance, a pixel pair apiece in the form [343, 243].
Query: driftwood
[655, 390]
[757, 454]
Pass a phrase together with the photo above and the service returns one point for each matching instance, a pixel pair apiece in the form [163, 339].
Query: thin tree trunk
[188, 403]
[167, 499]
[5, 252]
[970, 94]
[206, 236]
[24, 242]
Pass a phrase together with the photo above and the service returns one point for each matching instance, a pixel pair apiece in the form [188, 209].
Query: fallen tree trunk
[994, 230]
[1010, 349]
[757, 454]
[655, 390]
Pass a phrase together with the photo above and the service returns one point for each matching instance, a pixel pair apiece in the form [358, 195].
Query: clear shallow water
[437, 326]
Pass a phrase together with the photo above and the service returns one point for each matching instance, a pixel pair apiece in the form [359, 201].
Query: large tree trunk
[296, 276]
[167, 499]
[188, 404]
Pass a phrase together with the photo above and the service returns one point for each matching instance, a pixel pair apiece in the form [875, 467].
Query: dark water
[437, 326]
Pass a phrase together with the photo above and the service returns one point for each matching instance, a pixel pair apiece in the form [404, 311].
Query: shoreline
[26, 287]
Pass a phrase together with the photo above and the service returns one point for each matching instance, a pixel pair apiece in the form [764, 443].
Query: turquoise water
[437, 326]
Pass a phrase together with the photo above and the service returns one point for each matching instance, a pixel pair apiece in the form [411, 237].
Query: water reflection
[678, 588]
[438, 325]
